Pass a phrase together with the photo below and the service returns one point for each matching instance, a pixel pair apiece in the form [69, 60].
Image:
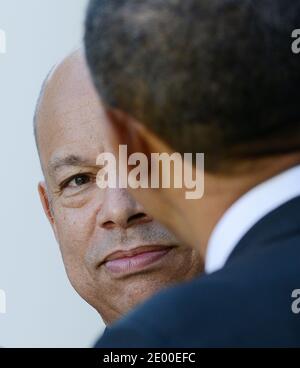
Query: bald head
[67, 81]
[66, 94]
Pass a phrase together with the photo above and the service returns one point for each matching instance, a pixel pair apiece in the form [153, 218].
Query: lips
[124, 262]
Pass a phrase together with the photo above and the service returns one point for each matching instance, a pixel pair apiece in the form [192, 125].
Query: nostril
[108, 224]
[138, 217]
[126, 221]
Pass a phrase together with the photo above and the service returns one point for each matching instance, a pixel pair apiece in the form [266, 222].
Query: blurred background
[43, 310]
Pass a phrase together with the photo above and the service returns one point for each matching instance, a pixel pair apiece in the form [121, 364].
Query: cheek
[73, 233]
[74, 228]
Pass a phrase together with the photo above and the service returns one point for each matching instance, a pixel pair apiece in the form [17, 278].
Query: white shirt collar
[246, 212]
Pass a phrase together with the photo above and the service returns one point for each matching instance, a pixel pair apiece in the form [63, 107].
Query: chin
[128, 296]
[139, 291]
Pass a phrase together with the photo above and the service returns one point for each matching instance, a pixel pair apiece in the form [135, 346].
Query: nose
[120, 210]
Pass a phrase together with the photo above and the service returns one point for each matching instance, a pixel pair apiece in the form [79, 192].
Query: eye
[76, 181]
[79, 180]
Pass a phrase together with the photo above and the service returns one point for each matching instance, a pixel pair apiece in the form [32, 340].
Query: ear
[46, 204]
[124, 129]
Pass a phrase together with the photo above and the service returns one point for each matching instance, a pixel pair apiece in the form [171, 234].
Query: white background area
[43, 310]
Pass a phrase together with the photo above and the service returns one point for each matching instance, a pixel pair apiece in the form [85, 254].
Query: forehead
[71, 118]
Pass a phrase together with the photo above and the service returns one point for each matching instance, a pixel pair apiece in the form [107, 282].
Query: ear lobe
[45, 202]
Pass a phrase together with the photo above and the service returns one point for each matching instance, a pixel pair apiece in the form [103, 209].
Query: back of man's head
[213, 76]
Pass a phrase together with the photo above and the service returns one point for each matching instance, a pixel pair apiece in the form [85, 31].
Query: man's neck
[196, 219]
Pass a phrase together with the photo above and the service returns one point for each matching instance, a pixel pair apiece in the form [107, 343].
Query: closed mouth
[137, 259]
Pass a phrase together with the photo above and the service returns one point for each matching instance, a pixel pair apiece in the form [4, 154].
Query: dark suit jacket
[245, 304]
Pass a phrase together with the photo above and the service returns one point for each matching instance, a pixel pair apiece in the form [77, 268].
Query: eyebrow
[71, 160]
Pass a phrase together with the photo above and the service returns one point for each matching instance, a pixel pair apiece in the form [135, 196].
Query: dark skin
[89, 223]
[193, 220]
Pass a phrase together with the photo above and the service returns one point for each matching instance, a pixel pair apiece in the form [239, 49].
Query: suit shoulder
[236, 306]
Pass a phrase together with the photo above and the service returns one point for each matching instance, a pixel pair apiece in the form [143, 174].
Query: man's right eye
[76, 181]
[79, 180]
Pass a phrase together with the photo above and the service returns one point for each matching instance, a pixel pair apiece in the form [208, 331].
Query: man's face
[114, 253]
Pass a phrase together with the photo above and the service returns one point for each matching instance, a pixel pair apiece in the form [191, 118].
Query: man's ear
[124, 129]
[46, 204]
[127, 130]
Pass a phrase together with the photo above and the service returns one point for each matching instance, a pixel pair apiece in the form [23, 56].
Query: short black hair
[212, 76]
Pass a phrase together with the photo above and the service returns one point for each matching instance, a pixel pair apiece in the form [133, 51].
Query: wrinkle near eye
[70, 187]
[89, 195]
[65, 185]
[86, 178]
[69, 172]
